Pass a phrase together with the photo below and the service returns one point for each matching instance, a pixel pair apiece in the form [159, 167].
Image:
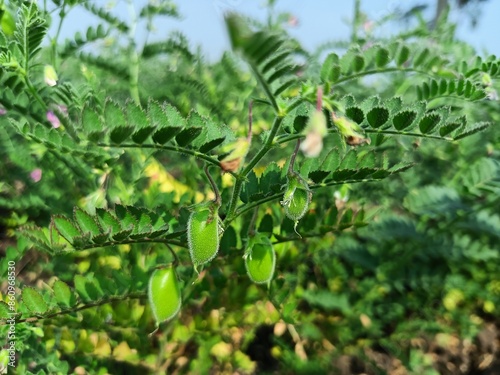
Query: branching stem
[294, 156]
[238, 185]
[380, 71]
[217, 198]
[181, 150]
[133, 54]
[250, 122]
[89, 305]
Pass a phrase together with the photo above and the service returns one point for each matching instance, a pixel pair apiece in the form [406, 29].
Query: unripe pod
[203, 234]
[297, 197]
[260, 259]
[164, 294]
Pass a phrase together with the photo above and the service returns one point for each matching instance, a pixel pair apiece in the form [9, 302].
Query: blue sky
[319, 22]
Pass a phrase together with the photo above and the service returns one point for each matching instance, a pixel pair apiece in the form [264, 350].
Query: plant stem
[250, 122]
[181, 150]
[251, 206]
[294, 155]
[82, 307]
[356, 21]
[176, 258]
[378, 71]
[288, 138]
[68, 125]
[62, 15]
[241, 177]
[266, 88]
[33, 92]
[266, 147]
[143, 240]
[291, 137]
[217, 199]
[133, 55]
[251, 226]
[408, 134]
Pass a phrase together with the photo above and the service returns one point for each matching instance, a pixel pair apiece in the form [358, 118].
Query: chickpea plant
[319, 137]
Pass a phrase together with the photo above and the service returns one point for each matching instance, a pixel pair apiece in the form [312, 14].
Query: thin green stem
[356, 21]
[260, 154]
[294, 156]
[266, 147]
[302, 237]
[247, 207]
[292, 137]
[68, 125]
[251, 226]
[217, 198]
[241, 177]
[266, 88]
[408, 134]
[431, 101]
[33, 92]
[62, 15]
[126, 242]
[174, 255]
[81, 307]
[288, 138]
[250, 122]
[234, 200]
[133, 55]
[379, 71]
[181, 150]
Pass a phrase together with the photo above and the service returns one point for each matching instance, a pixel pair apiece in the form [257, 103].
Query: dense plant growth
[277, 210]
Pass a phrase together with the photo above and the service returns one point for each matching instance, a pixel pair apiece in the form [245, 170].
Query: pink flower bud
[53, 119]
[368, 26]
[36, 174]
[293, 21]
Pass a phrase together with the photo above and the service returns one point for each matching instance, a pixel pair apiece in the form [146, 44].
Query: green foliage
[92, 34]
[34, 301]
[30, 31]
[393, 117]
[104, 15]
[165, 8]
[105, 228]
[103, 63]
[267, 54]
[176, 43]
[101, 185]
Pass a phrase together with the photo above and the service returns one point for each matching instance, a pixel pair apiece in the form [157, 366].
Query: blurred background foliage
[416, 291]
